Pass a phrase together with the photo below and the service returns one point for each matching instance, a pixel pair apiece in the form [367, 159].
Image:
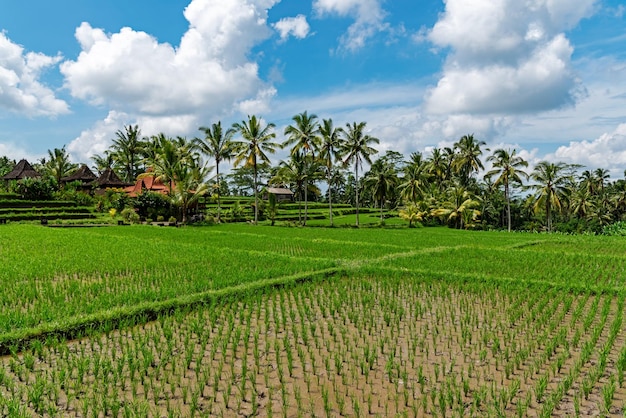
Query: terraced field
[238, 320]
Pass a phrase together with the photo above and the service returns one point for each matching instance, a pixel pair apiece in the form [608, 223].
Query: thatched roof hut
[83, 174]
[108, 179]
[21, 171]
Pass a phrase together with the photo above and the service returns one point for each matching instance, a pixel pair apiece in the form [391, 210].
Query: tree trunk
[256, 195]
[356, 191]
[381, 210]
[330, 198]
[219, 208]
[306, 202]
[508, 206]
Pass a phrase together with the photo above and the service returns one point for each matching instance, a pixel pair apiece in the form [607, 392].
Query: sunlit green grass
[53, 275]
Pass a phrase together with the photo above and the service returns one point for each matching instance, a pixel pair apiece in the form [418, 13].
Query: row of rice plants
[52, 276]
[358, 346]
[566, 269]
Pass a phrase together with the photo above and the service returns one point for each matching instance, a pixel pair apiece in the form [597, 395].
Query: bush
[35, 189]
[129, 215]
[615, 229]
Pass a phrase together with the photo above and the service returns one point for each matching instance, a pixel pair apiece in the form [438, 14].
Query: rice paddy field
[242, 320]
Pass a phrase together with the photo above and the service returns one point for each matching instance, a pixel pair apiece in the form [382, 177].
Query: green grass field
[399, 284]
[55, 277]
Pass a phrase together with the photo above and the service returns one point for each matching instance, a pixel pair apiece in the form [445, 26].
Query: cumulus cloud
[607, 151]
[295, 26]
[97, 139]
[368, 14]
[21, 90]
[506, 56]
[208, 75]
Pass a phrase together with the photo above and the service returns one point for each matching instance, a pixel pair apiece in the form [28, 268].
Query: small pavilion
[22, 170]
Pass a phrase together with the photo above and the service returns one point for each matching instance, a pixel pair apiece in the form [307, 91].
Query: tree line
[449, 186]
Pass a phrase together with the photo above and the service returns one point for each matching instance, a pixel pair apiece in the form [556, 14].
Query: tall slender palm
[330, 152]
[59, 164]
[296, 172]
[357, 148]
[601, 175]
[218, 145]
[302, 135]
[127, 150]
[102, 162]
[437, 166]
[467, 159]
[256, 142]
[506, 165]
[381, 180]
[552, 180]
[414, 180]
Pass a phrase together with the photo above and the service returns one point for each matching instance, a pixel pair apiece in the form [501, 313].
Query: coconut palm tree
[357, 148]
[303, 137]
[381, 180]
[175, 163]
[59, 164]
[218, 145]
[102, 162]
[127, 149]
[506, 165]
[467, 157]
[552, 181]
[256, 142]
[330, 152]
[459, 208]
[415, 179]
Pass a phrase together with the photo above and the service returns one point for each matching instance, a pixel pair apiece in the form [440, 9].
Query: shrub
[129, 215]
[35, 189]
[615, 229]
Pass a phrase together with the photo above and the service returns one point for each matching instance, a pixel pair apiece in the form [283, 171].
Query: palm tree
[218, 145]
[59, 164]
[381, 180]
[467, 159]
[189, 185]
[415, 180]
[302, 135]
[127, 150]
[256, 142]
[174, 163]
[601, 175]
[102, 162]
[552, 180]
[506, 166]
[459, 208]
[356, 149]
[292, 173]
[330, 152]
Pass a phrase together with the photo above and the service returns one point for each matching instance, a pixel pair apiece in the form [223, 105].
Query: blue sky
[546, 77]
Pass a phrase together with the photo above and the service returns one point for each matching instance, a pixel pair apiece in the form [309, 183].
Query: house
[108, 180]
[84, 175]
[147, 183]
[282, 194]
[21, 171]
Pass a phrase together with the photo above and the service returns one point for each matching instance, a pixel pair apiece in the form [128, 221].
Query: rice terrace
[243, 320]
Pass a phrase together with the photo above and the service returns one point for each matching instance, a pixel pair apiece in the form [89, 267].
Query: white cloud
[208, 75]
[16, 152]
[296, 26]
[607, 151]
[368, 14]
[98, 138]
[506, 56]
[21, 90]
